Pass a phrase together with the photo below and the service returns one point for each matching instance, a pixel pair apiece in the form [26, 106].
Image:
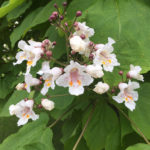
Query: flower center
[74, 77]
[29, 63]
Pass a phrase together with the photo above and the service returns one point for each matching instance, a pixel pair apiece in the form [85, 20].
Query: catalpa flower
[82, 29]
[74, 78]
[30, 81]
[31, 53]
[135, 72]
[23, 110]
[79, 45]
[101, 88]
[95, 71]
[128, 94]
[103, 56]
[48, 104]
[49, 76]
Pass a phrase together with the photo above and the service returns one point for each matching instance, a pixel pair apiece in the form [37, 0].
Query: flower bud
[128, 76]
[101, 88]
[64, 4]
[49, 53]
[41, 78]
[66, 24]
[54, 43]
[47, 104]
[78, 13]
[20, 86]
[73, 52]
[91, 56]
[55, 13]
[39, 106]
[55, 5]
[113, 91]
[82, 36]
[61, 17]
[121, 72]
[75, 24]
[91, 44]
[40, 82]
[52, 18]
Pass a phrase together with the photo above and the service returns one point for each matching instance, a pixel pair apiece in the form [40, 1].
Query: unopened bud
[48, 104]
[64, 4]
[49, 53]
[73, 52]
[82, 36]
[91, 56]
[78, 13]
[55, 5]
[61, 17]
[75, 24]
[41, 78]
[26, 99]
[20, 86]
[128, 76]
[40, 82]
[39, 106]
[113, 91]
[55, 13]
[121, 72]
[52, 18]
[54, 43]
[66, 24]
[91, 44]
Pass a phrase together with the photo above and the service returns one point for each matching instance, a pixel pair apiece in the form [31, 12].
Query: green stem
[58, 62]
[84, 128]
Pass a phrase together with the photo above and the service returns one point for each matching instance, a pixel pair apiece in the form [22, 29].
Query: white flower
[49, 75]
[48, 104]
[20, 86]
[83, 29]
[23, 110]
[31, 53]
[101, 88]
[30, 81]
[135, 72]
[74, 78]
[127, 94]
[103, 56]
[95, 71]
[79, 45]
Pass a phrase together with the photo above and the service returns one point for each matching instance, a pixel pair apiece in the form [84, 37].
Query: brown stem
[133, 123]
[84, 128]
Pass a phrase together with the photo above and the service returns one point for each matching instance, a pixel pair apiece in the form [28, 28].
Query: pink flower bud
[75, 24]
[73, 52]
[121, 72]
[49, 53]
[55, 5]
[91, 56]
[64, 4]
[78, 13]
[54, 43]
[61, 17]
[55, 13]
[128, 76]
[39, 106]
[82, 36]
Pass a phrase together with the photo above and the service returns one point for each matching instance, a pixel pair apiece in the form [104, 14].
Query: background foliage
[126, 21]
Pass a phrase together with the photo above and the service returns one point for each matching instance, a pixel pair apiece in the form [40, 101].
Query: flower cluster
[87, 62]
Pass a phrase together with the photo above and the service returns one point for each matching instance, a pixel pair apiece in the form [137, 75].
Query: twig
[133, 123]
[84, 128]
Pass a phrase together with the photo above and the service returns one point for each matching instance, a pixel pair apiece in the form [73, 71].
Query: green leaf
[38, 16]
[113, 141]
[139, 146]
[15, 98]
[10, 6]
[141, 114]
[35, 132]
[15, 13]
[103, 121]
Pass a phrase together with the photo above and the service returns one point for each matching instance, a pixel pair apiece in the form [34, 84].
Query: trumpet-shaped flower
[23, 110]
[31, 53]
[103, 56]
[20, 86]
[95, 71]
[48, 104]
[135, 72]
[101, 88]
[49, 76]
[30, 81]
[128, 94]
[83, 29]
[79, 45]
[74, 78]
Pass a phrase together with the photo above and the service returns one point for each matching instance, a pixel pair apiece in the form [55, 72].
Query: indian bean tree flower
[24, 111]
[101, 88]
[135, 73]
[31, 52]
[95, 71]
[30, 81]
[20, 86]
[127, 94]
[49, 76]
[48, 104]
[75, 78]
[104, 56]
